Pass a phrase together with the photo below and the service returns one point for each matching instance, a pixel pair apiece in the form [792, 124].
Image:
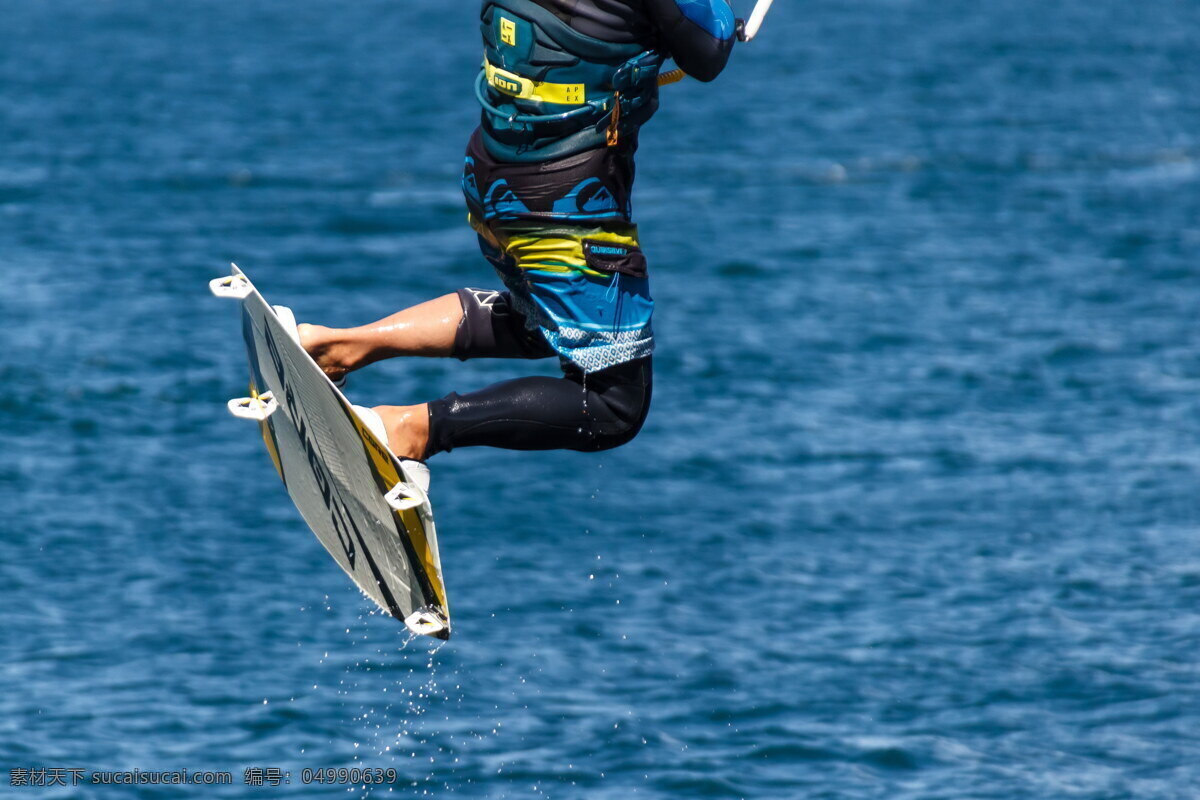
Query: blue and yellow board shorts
[585, 289]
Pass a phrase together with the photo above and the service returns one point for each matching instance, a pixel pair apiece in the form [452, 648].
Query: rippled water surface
[915, 514]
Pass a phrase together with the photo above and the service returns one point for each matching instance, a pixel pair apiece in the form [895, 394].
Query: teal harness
[549, 92]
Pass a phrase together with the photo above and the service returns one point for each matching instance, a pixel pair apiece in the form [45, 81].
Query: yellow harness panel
[513, 85]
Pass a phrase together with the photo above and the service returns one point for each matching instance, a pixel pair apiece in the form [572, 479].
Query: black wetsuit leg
[575, 412]
[600, 411]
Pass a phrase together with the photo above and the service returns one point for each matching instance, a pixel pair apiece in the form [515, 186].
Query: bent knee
[615, 434]
[620, 407]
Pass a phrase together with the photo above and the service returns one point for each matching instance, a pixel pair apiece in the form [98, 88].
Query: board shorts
[560, 236]
[584, 289]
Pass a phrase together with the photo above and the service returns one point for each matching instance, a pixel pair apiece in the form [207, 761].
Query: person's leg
[407, 429]
[471, 323]
[603, 410]
[598, 412]
[427, 329]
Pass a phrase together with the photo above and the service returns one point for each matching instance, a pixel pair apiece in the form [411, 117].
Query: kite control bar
[747, 29]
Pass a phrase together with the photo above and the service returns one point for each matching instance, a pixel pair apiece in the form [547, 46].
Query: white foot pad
[255, 408]
[428, 621]
[235, 287]
[404, 496]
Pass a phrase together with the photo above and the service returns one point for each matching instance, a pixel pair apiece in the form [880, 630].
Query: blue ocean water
[915, 514]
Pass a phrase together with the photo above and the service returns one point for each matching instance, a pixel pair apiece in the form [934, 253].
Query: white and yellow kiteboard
[369, 508]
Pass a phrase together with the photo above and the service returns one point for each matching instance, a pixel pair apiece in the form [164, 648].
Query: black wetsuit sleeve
[700, 39]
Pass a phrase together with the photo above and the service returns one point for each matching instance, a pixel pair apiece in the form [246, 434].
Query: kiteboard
[368, 508]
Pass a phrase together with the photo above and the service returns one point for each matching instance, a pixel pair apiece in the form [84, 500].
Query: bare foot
[407, 429]
[335, 355]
